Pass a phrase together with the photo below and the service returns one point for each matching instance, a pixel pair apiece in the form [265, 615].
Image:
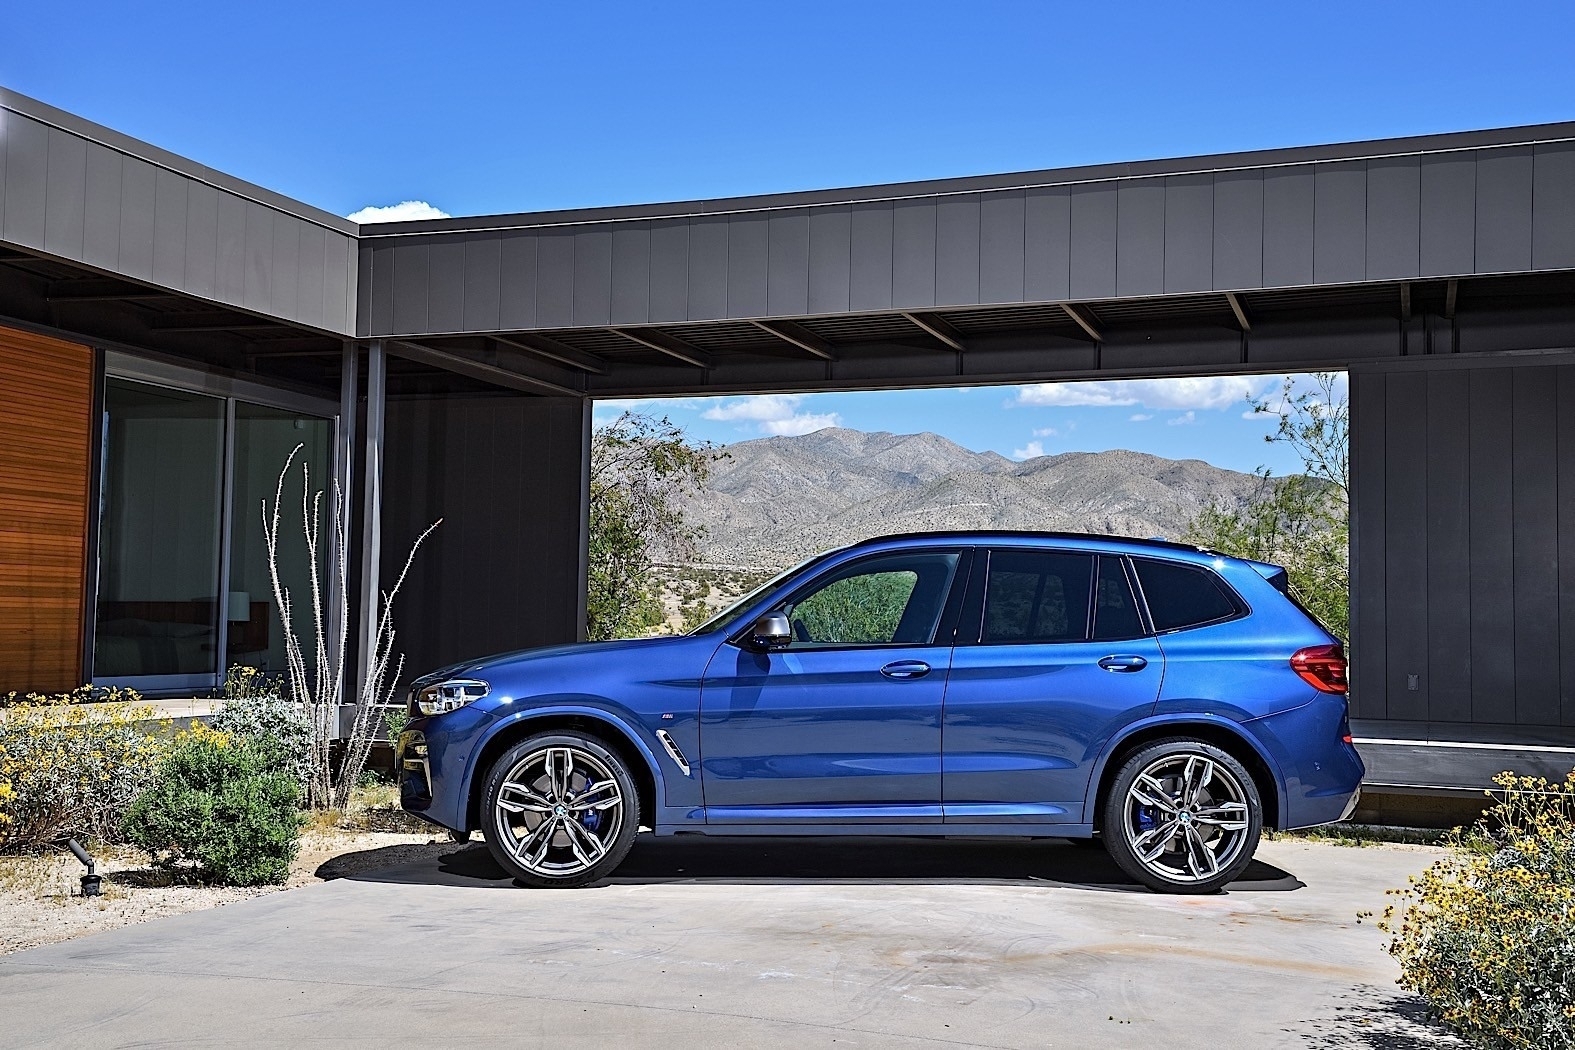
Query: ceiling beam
[662, 343]
[100, 291]
[553, 350]
[1451, 294]
[211, 322]
[1239, 310]
[1405, 300]
[799, 336]
[937, 326]
[478, 370]
[1084, 320]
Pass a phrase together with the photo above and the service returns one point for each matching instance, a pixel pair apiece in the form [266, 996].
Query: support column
[371, 517]
[344, 477]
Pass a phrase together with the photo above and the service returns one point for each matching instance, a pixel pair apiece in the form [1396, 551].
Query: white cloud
[1139, 417]
[1046, 432]
[1033, 450]
[1189, 392]
[775, 414]
[1182, 420]
[404, 211]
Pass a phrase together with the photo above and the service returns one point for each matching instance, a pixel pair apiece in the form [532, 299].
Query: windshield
[729, 616]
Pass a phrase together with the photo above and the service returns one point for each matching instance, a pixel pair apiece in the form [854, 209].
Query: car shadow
[828, 860]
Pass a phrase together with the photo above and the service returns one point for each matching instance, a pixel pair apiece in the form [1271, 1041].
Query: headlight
[440, 697]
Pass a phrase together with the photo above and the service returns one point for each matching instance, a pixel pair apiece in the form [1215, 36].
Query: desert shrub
[72, 767]
[220, 810]
[255, 710]
[1486, 936]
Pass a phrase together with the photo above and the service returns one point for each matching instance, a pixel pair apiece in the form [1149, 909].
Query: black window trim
[1243, 610]
[949, 607]
[1139, 601]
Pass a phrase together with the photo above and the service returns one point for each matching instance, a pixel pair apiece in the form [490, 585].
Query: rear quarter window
[1181, 596]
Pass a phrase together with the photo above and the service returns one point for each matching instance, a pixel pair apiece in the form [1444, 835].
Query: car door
[1057, 660]
[842, 724]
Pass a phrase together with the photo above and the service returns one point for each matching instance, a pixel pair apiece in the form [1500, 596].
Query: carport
[461, 356]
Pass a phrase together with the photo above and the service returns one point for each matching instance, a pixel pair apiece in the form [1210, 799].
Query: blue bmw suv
[1167, 700]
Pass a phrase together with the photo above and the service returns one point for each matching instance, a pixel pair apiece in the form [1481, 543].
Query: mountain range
[773, 501]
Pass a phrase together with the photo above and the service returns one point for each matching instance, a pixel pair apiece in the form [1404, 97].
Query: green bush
[1486, 936]
[220, 810]
[255, 711]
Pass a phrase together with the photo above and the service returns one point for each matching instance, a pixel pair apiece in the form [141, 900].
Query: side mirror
[771, 631]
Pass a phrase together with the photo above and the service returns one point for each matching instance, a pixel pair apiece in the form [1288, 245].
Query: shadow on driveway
[849, 860]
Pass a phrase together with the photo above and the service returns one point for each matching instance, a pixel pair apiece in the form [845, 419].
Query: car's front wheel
[1182, 816]
[561, 810]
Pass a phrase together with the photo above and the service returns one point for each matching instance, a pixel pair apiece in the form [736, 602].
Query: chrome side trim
[673, 752]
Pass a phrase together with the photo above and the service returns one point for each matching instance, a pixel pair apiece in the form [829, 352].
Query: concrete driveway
[752, 943]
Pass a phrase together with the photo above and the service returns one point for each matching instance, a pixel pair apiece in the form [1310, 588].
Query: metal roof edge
[1369, 149]
[122, 143]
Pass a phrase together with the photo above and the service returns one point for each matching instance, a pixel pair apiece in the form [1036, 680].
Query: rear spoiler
[1275, 575]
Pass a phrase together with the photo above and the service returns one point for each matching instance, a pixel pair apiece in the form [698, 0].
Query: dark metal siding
[504, 474]
[70, 192]
[1462, 507]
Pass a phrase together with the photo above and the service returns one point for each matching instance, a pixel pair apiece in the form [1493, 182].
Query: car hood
[550, 656]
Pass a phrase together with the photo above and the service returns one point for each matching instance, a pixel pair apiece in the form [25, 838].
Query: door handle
[906, 669]
[1123, 663]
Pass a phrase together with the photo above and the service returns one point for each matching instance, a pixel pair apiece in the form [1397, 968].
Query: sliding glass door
[184, 588]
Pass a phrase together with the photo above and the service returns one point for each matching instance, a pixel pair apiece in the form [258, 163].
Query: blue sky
[482, 108]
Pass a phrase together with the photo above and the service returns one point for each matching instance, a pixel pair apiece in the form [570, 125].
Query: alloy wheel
[558, 811]
[1186, 818]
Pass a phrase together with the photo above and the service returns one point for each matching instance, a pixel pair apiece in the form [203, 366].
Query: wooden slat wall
[46, 406]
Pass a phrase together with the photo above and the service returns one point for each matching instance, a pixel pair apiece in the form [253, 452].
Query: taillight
[1322, 667]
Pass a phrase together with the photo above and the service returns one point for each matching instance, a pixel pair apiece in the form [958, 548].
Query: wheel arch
[1226, 735]
[605, 727]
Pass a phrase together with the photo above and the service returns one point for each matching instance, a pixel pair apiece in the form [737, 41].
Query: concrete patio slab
[753, 943]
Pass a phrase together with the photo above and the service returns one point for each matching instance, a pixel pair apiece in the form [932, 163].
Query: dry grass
[1361, 836]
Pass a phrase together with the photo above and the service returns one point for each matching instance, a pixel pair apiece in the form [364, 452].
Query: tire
[577, 785]
[1182, 816]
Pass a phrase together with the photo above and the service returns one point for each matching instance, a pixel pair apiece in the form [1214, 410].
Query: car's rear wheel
[561, 810]
[1182, 816]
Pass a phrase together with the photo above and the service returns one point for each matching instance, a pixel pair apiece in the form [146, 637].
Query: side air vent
[673, 751]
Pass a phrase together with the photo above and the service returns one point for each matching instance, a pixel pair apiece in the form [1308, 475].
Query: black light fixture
[92, 882]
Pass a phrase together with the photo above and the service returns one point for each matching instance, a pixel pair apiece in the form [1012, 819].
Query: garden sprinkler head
[92, 882]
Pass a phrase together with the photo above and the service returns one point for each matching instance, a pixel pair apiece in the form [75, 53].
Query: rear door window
[1037, 596]
[1181, 596]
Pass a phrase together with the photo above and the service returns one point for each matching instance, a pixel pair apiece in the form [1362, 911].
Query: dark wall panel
[411, 277]
[1536, 546]
[787, 263]
[748, 252]
[286, 265]
[483, 269]
[1189, 233]
[259, 259]
[445, 284]
[1566, 460]
[27, 181]
[1405, 544]
[382, 277]
[1093, 243]
[631, 273]
[169, 230]
[555, 278]
[311, 279]
[1503, 209]
[1340, 222]
[517, 281]
[1002, 229]
[1553, 206]
[1238, 229]
[202, 248]
[913, 252]
[1492, 548]
[1369, 668]
[1287, 226]
[1393, 214]
[669, 269]
[957, 249]
[504, 474]
[830, 253]
[1448, 214]
[593, 248]
[708, 267]
[229, 270]
[1047, 239]
[1140, 237]
[870, 258]
[1448, 545]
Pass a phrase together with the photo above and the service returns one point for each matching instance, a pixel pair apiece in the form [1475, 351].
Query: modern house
[169, 333]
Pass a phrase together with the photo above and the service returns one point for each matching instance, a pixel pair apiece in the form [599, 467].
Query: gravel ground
[41, 903]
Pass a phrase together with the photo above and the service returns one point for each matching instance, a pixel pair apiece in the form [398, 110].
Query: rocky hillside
[775, 500]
